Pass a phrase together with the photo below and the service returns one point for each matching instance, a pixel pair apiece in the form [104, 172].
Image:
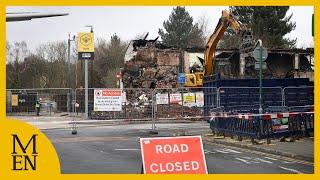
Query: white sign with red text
[175, 98]
[107, 100]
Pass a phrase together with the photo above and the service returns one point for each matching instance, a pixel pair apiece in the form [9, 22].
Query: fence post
[218, 97]
[283, 97]
[182, 103]
[74, 127]
[153, 131]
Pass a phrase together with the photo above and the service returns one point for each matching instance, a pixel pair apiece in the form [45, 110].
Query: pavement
[302, 149]
[64, 121]
[114, 148]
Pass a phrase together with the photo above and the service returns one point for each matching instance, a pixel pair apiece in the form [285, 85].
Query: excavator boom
[226, 20]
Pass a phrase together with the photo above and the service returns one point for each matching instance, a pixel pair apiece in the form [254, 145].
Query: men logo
[24, 155]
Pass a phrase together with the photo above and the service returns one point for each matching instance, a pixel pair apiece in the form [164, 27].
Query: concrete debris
[152, 68]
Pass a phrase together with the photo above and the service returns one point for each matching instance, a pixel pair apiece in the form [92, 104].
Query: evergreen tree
[179, 30]
[268, 23]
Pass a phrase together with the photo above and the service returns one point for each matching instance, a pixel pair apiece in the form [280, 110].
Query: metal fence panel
[298, 96]
[22, 101]
[248, 96]
[184, 103]
[137, 104]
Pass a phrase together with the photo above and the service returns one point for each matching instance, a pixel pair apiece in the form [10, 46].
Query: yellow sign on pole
[85, 42]
[14, 100]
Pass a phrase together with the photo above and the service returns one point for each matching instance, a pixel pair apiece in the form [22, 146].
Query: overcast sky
[127, 22]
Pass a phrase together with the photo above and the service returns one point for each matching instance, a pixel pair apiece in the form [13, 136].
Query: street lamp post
[86, 81]
[69, 79]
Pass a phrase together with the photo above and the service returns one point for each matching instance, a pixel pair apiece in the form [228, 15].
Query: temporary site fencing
[23, 101]
[131, 103]
[230, 110]
[277, 122]
[167, 103]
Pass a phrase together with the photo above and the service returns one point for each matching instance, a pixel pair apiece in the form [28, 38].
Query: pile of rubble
[151, 67]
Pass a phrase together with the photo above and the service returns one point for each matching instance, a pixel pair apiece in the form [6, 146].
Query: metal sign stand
[260, 54]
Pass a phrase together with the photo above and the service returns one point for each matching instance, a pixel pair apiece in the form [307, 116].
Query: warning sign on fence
[175, 98]
[173, 155]
[107, 100]
[199, 99]
[189, 99]
[162, 98]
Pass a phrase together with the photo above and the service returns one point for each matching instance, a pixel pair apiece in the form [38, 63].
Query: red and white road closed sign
[173, 155]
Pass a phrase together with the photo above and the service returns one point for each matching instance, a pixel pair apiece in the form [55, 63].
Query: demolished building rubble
[149, 65]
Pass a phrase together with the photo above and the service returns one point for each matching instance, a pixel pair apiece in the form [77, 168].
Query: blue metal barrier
[298, 96]
[281, 123]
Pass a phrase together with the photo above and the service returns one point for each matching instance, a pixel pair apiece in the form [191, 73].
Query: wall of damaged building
[285, 64]
[149, 66]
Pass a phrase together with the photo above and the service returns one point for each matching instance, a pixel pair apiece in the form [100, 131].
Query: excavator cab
[194, 79]
[191, 80]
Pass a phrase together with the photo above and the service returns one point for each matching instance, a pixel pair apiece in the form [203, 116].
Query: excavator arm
[226, 20]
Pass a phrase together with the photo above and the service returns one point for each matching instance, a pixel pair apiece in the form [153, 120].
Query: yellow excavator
[247, 44]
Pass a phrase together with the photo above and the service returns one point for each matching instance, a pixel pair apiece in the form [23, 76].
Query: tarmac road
[115, 149]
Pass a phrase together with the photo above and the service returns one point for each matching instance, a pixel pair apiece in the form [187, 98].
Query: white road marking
[242, 160]
[231, 150]
[263, 160]
[252, 160]
[287, 162]
[291, 170]
[222, 151]
[274, 159]
[207, 152]
[256, 160]
[126, 149]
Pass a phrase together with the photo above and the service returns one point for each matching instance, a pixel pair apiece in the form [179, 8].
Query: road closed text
[173, 166]
[173, 155]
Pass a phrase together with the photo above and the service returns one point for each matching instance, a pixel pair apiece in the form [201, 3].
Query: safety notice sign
[173, 155]
[107, 100]
[162, 98]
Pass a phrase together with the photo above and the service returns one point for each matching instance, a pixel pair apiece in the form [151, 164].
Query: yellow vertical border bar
[2, 61]
[316, 86]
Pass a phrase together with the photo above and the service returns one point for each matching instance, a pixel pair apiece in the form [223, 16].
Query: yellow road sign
[85, 42]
